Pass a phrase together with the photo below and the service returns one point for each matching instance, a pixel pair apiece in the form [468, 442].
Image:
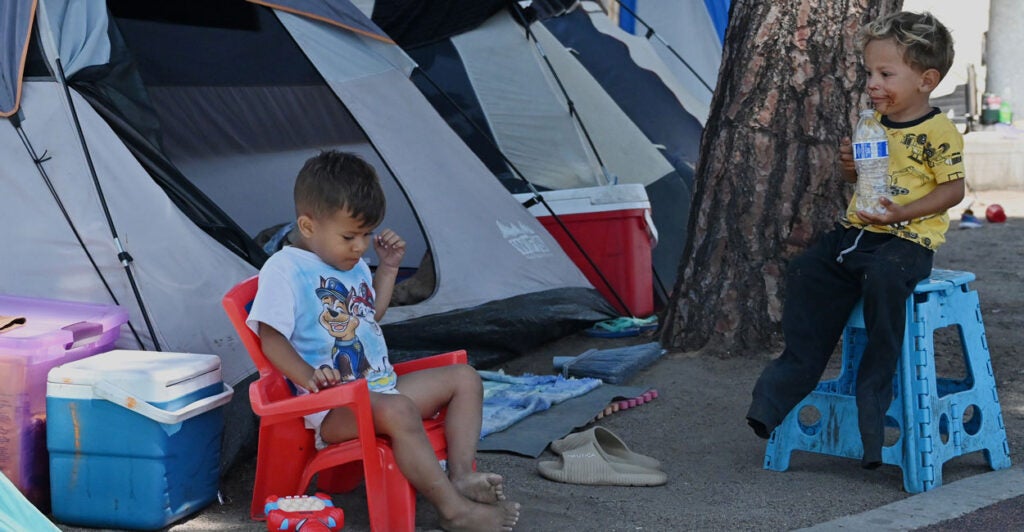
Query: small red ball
[995, 214]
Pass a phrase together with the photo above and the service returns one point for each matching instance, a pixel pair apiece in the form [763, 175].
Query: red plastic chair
[287, 459]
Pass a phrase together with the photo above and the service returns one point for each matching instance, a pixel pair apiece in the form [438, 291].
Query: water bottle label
[874, 149]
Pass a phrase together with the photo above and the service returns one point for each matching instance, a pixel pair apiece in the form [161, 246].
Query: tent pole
[122, 255]
[651, 32]
[537, 196]
[609, 179]
[38, 160]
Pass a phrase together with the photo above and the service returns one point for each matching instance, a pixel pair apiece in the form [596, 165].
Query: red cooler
[35, 336]
[612, 224]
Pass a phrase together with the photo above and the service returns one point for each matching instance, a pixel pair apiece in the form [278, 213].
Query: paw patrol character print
[335, 317]
[360, 303]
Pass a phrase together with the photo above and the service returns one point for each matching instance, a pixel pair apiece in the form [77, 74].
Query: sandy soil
[696, 428]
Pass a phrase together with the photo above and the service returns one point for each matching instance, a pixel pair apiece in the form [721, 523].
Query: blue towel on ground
[508, 398]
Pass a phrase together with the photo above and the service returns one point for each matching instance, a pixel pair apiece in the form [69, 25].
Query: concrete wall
[994, 160]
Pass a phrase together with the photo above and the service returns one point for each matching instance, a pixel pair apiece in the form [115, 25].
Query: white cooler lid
[152, 376]
[590, 199]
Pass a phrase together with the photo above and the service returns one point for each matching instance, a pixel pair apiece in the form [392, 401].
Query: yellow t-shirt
[922, 154]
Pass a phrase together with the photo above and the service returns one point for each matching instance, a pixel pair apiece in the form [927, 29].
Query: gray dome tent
[512, 93]
[195, 118]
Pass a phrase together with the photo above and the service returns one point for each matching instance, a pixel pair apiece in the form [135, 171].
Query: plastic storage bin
[134, 437]
[54, 332]
[612, 223]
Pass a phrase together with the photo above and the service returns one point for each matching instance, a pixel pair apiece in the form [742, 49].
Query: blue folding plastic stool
[937, 418]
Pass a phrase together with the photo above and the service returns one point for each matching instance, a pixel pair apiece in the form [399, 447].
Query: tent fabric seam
[276, 6]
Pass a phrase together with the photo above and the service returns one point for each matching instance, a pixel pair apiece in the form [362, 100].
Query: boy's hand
[893, 213]
[847, 166]
[323, 377]
[390, 248]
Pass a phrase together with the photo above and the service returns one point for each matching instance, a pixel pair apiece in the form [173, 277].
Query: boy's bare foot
[501, 516]
[480, 487]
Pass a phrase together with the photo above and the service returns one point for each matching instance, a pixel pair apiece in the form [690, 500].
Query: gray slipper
[612, 446]
[587, 464]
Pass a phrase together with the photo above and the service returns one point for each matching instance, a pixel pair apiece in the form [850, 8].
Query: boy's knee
[395, 411]
[884, 284]
[465, 373]
[464, 377]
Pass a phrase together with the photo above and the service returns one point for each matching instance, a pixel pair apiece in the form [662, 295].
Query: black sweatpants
[821, 291]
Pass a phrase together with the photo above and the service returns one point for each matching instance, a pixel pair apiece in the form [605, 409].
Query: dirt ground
[696, 428]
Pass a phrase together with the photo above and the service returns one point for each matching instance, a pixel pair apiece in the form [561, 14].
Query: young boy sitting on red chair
[316, 313]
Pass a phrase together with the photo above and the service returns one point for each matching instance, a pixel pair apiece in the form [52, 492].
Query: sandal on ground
[622, 327]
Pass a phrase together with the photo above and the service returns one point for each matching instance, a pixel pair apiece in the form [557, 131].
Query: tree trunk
[767, 182]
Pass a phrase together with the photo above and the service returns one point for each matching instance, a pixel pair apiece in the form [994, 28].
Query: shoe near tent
[196, 117]
[495, 87]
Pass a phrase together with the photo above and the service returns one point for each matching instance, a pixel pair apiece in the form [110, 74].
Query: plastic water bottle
[871, 156]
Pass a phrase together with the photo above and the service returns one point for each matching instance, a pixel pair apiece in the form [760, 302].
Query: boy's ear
[930, 79]
[305, 225]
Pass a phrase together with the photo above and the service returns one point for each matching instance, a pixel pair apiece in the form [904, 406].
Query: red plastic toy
[305, 513]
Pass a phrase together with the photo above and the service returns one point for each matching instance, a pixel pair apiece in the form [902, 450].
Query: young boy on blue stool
[877, 257]
[316, 313]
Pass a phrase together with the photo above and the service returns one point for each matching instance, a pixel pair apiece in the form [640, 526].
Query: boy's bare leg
[399, 417]
[460, 389]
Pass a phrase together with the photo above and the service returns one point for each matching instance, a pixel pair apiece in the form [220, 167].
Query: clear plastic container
[871, 156]
[54, 332]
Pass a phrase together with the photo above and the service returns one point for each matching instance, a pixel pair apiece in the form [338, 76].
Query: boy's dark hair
[926, 42]
[335, 180]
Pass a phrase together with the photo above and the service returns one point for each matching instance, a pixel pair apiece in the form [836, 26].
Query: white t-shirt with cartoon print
[327, 314]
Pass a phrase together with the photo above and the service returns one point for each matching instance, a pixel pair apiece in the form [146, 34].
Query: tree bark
[767, 181]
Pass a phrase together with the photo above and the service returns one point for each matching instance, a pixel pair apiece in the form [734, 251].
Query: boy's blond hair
[925, 41]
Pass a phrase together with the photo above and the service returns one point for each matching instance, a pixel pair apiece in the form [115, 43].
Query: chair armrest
[354, 395]
[434, 361]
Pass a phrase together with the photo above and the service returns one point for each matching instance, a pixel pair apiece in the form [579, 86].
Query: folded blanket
[508, 398]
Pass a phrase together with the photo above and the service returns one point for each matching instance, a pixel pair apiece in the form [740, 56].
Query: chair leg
[392, 502]
[277, 472]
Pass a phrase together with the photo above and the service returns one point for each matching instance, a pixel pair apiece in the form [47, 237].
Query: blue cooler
[134, 437]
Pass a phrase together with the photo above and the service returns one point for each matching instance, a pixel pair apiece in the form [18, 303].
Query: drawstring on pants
[839, 258]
